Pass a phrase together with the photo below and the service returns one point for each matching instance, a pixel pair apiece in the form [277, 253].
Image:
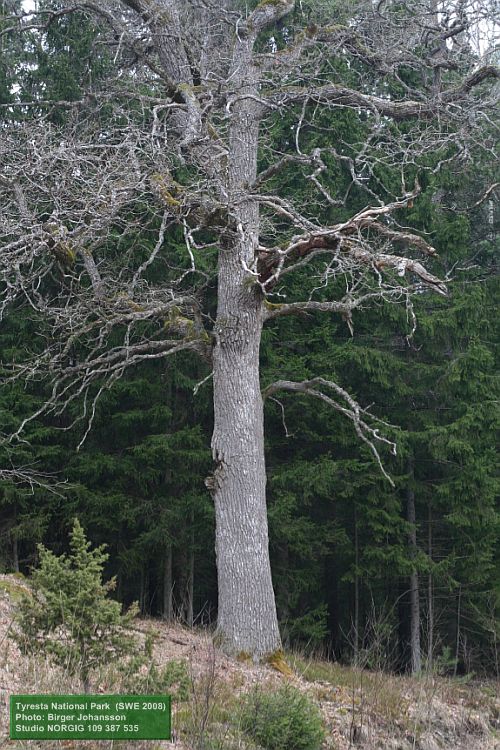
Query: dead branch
[348, 406]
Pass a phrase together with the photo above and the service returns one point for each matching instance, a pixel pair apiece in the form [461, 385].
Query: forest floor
[360, 708]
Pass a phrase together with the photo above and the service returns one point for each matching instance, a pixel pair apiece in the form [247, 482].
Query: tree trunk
[458, 634]
[430, 594]
[167, 584]
[190, 580]
[416, 663]
[247, 619]
[356, 589]
[15, 544]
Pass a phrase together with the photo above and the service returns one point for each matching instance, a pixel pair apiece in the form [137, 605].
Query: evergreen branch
[75, 382]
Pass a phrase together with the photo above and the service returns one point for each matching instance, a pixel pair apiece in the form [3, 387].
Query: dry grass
[405, 712]
[380, 711]
[375, 692]
[14, 586]
[38, 676]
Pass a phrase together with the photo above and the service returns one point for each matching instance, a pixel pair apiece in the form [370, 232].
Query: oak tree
[142, 218]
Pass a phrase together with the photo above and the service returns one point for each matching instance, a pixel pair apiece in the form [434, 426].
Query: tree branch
[28, 476]
[398, 110]
[486, 194]
[344, 307]
[346, 240]
[266, 14]
[349, 407]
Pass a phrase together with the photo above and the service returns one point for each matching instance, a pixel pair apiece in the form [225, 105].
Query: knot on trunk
[214, 480]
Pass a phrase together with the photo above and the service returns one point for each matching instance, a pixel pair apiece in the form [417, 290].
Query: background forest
[358, 566]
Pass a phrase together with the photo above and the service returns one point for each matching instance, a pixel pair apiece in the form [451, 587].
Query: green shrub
[284, 719]
[69, 615]
[173, 678]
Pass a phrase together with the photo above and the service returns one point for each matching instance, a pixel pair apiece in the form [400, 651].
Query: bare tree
[173, 145]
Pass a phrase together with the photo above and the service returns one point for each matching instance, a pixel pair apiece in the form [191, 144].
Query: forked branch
[349, 245]
[346, 405]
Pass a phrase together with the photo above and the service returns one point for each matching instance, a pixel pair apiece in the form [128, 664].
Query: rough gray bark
[247, 619]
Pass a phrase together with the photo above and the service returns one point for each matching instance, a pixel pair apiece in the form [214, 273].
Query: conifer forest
[249, 300]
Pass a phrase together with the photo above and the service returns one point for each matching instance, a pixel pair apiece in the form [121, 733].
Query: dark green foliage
[67, 60]
[138, 482]
[25, 512]
[69, 615]
[282, 719]
[11, 51]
